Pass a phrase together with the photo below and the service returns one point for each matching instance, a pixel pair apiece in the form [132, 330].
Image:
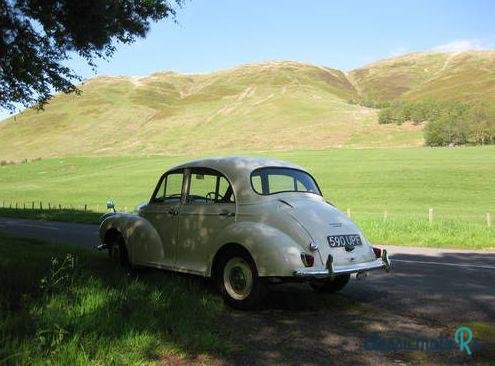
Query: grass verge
[442, 233]
[67, 305]
[65, 215]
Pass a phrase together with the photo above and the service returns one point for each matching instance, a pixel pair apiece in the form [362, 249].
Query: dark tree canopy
[37, 36]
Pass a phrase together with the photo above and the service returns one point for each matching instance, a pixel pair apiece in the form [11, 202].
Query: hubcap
[238, 278]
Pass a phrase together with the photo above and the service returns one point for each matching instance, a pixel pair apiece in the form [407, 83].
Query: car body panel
[199, 225]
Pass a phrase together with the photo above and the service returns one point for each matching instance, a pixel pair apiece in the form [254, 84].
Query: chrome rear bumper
[332, 270]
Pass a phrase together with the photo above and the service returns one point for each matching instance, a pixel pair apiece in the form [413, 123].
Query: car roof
[234, 164]
[237, 169]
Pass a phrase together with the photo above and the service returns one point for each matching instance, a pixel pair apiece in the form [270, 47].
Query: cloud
[461, 45]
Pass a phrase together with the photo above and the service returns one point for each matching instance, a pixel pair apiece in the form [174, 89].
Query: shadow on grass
[70, 305]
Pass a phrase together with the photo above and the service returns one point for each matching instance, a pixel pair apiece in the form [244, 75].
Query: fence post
[488, 219]
[49, 206]
[85, 207]
[41, 206]
[24, 205]
[16, 205]
[349, 212]
[430, 215]
[32, 205]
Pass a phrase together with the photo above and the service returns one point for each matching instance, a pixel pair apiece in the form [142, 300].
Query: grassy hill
[280, 105]
[442, 76]
[274, 105]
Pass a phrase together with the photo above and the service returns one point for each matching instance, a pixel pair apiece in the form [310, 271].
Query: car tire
[118, 252]
[332, 285]
[238, 280]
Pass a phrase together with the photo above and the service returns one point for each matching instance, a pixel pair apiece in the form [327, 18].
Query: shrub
[385, 115]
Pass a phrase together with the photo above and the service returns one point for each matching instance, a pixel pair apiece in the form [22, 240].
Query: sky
[213, 35]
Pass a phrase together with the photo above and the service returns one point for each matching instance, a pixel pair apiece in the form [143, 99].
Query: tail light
[307, 259]
[378, 252]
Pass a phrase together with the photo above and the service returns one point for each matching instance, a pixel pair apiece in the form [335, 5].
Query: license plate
[337, 241]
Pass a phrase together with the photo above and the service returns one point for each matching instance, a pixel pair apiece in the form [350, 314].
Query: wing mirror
[111, 205]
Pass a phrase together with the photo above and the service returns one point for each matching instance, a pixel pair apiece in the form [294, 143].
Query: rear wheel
[238, 280]
[331, 285]
[118, 252]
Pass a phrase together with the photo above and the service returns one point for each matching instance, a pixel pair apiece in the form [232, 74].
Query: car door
[208, 208]
[163, 213]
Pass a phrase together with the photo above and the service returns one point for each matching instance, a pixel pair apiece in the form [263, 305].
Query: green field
[457, 183]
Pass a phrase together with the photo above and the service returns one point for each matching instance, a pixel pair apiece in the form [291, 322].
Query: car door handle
[174, 211]
[226, 213]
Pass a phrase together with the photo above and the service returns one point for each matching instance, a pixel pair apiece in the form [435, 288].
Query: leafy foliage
[447, 123]
[39, 35]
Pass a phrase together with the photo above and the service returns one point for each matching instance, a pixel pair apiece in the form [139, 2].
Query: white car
[244, 222]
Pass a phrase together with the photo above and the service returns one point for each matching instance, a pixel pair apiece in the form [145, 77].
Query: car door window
[170, 189]
[208, 187]
[225, 192]
[202, 188]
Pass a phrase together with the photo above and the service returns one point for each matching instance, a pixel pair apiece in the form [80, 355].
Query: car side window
[207, 186]
[256, 180]
[170, 189]
[225, 192]
[202, 188]
[173, 185]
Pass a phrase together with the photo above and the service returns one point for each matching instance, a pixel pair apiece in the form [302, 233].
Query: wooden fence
[50, 206]
[39, 205]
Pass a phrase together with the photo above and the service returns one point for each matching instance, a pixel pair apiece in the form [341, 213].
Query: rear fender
[274, 253]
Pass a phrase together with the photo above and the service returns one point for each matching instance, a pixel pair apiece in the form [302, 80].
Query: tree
[450, 126]
[482, 124]
[37, 36]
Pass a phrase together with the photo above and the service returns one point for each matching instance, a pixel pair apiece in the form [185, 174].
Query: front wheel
[331, 285]
[118, 252]
[238, 280]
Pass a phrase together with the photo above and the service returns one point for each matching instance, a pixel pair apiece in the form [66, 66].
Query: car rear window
[273, 180]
